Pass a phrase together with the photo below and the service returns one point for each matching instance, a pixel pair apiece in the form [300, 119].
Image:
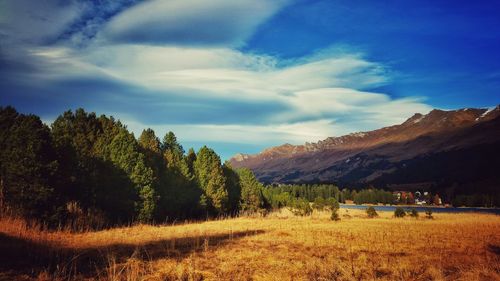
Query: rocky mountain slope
[440, 149]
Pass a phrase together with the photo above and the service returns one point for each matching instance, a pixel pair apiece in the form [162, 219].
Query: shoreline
[437, 209]
[420, 206]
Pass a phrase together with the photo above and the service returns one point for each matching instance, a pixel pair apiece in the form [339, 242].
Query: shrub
[399, 212]
[332, 203]
[335, 214]
[301, 207]
[371, 212]
[319, 204]
[347, 215]
[428, 213]
[414, 213]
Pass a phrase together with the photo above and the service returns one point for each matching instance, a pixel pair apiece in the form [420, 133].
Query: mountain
[457, 149]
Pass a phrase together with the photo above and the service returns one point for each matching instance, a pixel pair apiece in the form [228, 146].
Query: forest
[91, 170]
[284, 195]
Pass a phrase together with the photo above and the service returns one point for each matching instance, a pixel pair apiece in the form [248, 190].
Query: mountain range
[452, 151]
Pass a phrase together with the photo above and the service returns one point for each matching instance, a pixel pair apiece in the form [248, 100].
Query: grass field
[278, 247]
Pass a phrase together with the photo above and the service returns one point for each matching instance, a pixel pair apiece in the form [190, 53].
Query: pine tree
[210, 178]
[125, 154]
[181, 194]
[150, 146]
[170, 143]
[190, 158]
[233, 185]
[27, 165]
[103, 167]
[76, 140]
[251, 191]
[149, 141]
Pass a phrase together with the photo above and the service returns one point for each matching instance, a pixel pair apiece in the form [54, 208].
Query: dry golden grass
[278, 247]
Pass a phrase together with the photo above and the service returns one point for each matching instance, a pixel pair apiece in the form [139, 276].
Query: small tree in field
[399, 212]
[301, 207]
[371, 212]
[414, 213]
[334, 205]
[335, 214]
[319, 204]
[428, 213]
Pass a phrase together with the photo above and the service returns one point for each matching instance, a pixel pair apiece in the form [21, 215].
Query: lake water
[422, 209]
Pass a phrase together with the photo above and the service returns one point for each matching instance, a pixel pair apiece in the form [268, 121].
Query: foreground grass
[278, 247]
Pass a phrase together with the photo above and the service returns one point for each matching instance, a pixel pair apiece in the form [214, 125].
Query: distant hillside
[446, 150]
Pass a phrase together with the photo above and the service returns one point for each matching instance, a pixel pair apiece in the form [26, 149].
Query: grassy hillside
[278, 247]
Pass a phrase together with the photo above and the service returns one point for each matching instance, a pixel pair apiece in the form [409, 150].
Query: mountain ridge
[289, 149]
[374, 157]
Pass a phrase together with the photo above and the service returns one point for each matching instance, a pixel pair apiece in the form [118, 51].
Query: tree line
[285, 195]
[476, 199]
[91, 169]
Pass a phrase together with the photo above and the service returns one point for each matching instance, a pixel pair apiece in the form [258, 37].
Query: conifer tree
[125, 154]
[190, 158]
[210, 178]
[27, 165]
[251, 191]
[233, 186]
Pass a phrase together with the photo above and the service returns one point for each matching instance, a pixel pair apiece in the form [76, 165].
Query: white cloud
[342, 101]
[191, 22]
[248, 134]
[29, 22]
[224, 72]
[382, 112]
[323, 94]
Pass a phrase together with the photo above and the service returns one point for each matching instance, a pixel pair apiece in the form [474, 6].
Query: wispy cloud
[191, 22]
[223, 94]
[26, 21]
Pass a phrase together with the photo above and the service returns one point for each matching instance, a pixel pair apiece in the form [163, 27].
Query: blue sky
[243, 75]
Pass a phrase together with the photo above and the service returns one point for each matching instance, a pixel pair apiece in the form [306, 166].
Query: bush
[399, 212]
[347, 215]
[332, 203]
[428, 213]
[319, 204]
[414, 213]
[371, 212]
[301, 207]
[335, 214]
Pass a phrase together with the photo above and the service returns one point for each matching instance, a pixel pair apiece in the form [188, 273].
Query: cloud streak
[191, 22]
[33, 22]
[212, 89]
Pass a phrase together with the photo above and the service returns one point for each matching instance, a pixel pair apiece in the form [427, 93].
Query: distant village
[353, 196]
[417, 198]
[409, 198]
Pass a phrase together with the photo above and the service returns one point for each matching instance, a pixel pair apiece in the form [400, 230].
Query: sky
[243, 75]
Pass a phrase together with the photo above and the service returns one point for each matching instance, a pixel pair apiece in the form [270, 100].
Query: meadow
[280, 246]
